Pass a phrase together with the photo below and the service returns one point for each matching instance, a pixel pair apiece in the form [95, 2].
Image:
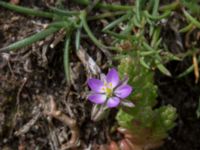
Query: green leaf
[116, 22]
[78, 39]
[66, 60]
[30, 40]
[143, 63]
[163, 69]
[26, 11]
[143, 118]
[192, 19]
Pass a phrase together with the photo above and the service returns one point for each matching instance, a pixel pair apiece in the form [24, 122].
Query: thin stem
[192, 19]
[89, 32]
[187, 28]
[106, 15]
[92, 5]
[27, 11]
[64, 12]
[101, 46]
[116, 22]
[156, 17]
[155, 8]
[138, 9]
[170, 7]
[105, 5]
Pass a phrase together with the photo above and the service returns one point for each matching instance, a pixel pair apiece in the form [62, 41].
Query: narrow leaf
[66, 61]
[27, 11]
[163, 69]
[30, 40]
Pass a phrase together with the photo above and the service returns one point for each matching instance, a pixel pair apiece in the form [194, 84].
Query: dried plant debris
[71, 123]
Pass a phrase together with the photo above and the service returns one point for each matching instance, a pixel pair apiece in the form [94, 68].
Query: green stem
[170, 7]
[156, 17]
[89, 32]
[187, 28]
[189, 69]
[105, 5]
[27, 11]
[92, 5]
[117, 35]
[30, 40]
[106, 15]
[66, 60]
[61, 24]
[155, 8]
[192, 19]
[91, 35]
[148, 47]
[138, 9]
[116, 22]
[63, 12]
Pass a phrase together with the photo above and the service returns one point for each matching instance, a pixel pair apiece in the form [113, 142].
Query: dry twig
[91, 67]
[71, 123]
[28, 125]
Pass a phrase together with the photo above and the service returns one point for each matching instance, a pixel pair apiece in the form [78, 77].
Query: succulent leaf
[147, 125]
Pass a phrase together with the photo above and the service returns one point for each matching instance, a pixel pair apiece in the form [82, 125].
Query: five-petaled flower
[110, 91]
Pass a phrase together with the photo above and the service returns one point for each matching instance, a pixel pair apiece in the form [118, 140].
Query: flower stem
[27, 11]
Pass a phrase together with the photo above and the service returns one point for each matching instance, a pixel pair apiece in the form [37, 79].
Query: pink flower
[110, 91]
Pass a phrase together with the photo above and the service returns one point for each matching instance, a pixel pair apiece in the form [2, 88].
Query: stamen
[103, 89]
[110, 84]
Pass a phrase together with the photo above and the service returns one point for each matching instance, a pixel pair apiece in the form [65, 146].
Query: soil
[29, 76]
[184, 95]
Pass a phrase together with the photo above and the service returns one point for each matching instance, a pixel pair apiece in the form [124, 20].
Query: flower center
[109, 92]
[108, 89]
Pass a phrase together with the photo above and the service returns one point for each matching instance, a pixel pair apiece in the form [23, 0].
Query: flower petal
[97, 98]
[112, 77]
[96, 85]
[123, 91]
[113, 102]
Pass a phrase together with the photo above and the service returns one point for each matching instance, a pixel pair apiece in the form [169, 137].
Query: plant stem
[106, 15]
[27, 11]
[101, 46]
[170, 7]
[187, 28]
[89, 32]
[116, 22]
[156, 17]
[191, 19]
[64, 12]
[155, 8]
[105, 5]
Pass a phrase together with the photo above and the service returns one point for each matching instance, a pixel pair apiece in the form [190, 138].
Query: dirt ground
[32, 76]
